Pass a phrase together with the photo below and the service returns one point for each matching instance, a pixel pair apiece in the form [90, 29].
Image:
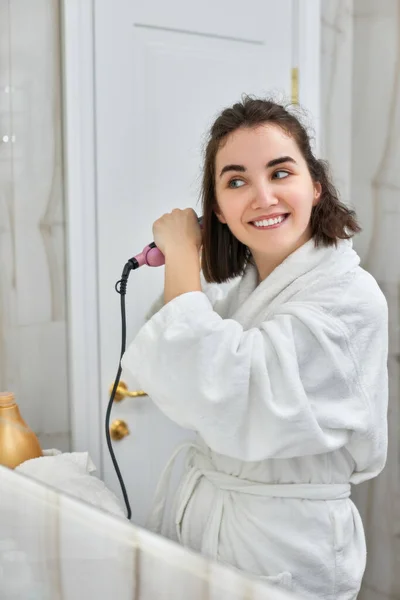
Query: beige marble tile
[336, 85]
[33, 332]
[43, 387]
[371, 9]
[370, 142]
[38, 198]
[376, 126]
[376, 187]
[54, 547]
[9, 372]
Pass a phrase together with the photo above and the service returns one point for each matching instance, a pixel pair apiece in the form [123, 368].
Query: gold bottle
[18, 443]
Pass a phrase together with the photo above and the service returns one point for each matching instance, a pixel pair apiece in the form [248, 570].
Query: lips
[272, 225]
[266, 218]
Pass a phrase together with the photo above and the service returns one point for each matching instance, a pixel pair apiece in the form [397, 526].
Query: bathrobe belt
[223, 482]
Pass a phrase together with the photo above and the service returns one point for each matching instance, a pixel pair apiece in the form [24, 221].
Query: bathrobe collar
[253, 301]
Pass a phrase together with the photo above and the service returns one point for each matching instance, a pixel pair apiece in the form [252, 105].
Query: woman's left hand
[177, 229]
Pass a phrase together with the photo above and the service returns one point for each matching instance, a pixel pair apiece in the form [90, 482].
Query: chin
[280, 248]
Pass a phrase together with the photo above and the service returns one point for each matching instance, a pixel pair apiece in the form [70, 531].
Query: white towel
[71, 472]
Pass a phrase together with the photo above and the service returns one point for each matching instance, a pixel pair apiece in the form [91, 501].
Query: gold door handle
[122, 391]
[118, 430]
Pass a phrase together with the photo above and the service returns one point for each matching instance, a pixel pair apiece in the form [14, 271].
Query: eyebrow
[272, 163]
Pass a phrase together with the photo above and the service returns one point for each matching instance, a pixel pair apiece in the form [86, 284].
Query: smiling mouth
[270, 223]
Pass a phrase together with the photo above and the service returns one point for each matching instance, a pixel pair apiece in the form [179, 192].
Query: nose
[264, 196]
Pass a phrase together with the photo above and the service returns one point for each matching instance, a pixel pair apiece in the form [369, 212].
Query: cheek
[229, 204]
[301, 201]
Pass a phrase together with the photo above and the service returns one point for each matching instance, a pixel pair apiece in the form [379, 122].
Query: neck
[266, 263]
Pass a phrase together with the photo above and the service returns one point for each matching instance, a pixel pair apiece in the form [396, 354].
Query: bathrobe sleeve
[214, 292]
[291, 387]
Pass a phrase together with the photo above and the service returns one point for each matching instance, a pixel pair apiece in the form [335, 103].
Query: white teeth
[268, 222]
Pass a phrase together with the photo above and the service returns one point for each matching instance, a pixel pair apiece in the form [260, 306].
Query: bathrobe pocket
[350, 549]
[283, 579]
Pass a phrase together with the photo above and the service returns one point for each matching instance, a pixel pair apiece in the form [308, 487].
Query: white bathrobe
[285, 383]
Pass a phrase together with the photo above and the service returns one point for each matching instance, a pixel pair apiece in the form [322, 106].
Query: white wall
[33, 357]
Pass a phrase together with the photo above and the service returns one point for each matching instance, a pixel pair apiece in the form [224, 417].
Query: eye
[235, 183]
[281, 174]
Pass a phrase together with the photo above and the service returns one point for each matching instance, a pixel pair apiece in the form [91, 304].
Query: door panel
[163, 72]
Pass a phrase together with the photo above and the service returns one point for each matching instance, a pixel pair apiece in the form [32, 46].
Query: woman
[285, 378]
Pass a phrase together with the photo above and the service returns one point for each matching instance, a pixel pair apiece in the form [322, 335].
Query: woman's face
[265, 193]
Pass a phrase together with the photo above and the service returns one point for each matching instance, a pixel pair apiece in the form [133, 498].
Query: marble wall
[336, 85]
[56, 547]
[33, 352]
[361, 116]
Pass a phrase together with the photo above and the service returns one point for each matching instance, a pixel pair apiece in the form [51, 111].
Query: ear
[220, 216]
[317, 192]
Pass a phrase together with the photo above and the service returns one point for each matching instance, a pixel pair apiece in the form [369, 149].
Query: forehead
[264, 142]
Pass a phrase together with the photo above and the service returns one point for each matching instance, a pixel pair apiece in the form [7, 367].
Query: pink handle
[155, 258]
[152, 256]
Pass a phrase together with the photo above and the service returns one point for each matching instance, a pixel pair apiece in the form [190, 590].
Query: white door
[163, 72]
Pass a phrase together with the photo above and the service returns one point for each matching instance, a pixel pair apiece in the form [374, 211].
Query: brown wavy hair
[223, 256]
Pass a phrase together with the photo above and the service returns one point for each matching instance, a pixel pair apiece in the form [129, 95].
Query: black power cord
[120, 287]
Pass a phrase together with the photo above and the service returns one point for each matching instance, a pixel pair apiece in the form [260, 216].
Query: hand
[178, 229]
